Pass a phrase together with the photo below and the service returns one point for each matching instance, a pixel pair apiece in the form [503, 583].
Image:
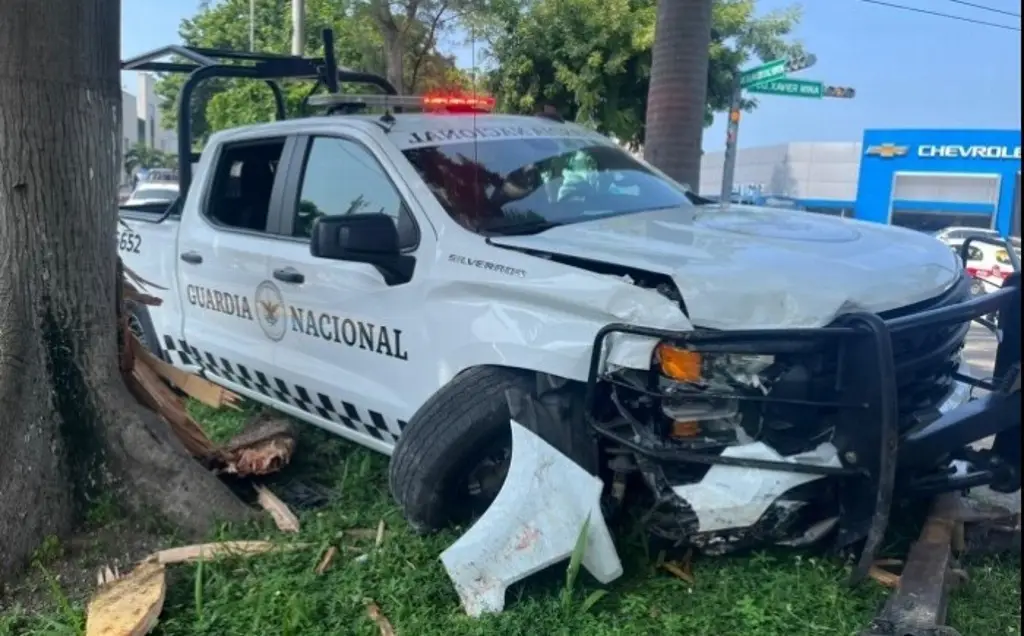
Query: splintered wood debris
[264, 446]
[284, 518]
[383, 624]
[326, 560]
[127, 605]
[130, 604]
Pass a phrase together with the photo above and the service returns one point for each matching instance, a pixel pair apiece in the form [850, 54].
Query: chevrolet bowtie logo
[886, 151]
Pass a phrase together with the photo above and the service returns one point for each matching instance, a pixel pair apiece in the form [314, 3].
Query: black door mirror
[363, 238]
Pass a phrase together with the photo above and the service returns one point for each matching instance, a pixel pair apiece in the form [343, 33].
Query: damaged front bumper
[890, 389]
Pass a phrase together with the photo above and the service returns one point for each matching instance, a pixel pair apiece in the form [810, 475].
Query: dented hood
[751, 267]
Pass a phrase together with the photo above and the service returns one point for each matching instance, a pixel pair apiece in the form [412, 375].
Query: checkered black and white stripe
[365, 421]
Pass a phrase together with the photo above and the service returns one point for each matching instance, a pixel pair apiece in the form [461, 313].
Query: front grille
[927, 357]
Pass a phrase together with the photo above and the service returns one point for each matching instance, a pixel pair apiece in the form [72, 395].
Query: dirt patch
[69, 567]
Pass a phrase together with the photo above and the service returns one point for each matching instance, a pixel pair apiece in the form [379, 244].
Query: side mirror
[362, 238]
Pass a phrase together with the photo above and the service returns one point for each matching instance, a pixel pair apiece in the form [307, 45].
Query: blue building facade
[928, 179]
[924, 179]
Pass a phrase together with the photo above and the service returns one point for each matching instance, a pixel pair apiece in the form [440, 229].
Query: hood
[751, 267]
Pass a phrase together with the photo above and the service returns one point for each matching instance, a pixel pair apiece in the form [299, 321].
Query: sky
[909, 70]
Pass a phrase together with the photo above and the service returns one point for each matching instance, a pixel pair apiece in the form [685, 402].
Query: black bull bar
[873, 449]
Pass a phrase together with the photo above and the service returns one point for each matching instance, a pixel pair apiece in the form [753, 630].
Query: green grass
[765, 593]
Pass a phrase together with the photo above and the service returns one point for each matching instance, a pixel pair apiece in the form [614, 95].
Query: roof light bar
[406, 102]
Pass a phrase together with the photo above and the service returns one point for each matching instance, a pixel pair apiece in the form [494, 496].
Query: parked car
[954, 236]
[153, 192]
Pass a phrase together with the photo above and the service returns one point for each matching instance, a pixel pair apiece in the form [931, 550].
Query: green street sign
[776, 69]
[791, 87]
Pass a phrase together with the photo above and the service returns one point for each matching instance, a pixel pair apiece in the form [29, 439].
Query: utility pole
[732, 132]
[298, 26]
[751, 79]
[252, 25]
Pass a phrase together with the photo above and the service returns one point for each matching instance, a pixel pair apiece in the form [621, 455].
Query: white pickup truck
[406, 279]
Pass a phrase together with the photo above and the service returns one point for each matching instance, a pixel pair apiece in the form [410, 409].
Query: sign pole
[732, 131]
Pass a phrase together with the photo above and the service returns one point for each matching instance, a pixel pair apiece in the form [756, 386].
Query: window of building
[342, 177]
[243, 183]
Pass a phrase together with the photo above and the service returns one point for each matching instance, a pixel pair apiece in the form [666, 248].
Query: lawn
[765, 593]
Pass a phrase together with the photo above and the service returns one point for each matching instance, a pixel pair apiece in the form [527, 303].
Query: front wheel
[452, 457]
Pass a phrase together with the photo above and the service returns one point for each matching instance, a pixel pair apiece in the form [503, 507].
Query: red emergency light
[452, 103]
[436, 102]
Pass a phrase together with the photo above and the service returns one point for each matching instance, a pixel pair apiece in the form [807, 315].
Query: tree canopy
[360, 45]
[591, 59]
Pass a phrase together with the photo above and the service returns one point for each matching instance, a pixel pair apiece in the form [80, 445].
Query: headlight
[709, 369]
[700, 391]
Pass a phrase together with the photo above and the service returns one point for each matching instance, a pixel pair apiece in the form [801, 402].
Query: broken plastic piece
[533, 523]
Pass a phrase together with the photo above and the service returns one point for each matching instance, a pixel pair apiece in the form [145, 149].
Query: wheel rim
[476, 484]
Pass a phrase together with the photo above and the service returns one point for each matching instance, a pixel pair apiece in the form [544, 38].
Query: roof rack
[203, 64]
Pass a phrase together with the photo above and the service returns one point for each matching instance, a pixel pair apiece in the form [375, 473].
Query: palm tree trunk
[677, 94]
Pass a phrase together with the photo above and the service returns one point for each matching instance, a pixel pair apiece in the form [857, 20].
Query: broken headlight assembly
[710, 399]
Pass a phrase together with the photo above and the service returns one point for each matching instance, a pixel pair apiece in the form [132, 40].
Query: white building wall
[799, 170]
[158, 135]
[129, 128]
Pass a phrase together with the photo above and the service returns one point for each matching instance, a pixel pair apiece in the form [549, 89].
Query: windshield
[524, 185]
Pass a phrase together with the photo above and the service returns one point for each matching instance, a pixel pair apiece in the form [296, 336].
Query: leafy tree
[591, 59]
[220, 104]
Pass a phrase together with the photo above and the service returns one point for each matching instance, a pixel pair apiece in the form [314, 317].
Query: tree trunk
[68, 425]
[394, 55]
[678, 90]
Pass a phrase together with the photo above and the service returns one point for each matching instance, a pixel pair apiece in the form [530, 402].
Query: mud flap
[533, 523]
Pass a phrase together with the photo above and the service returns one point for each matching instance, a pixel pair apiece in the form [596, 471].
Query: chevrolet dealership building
[923, 179]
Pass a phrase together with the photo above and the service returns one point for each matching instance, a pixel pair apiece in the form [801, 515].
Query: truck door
[354, 345]
[222, 249]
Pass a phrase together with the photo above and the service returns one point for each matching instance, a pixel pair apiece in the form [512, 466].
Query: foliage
[220, 104]
[774, 593]
[591, 59]
[141, 156]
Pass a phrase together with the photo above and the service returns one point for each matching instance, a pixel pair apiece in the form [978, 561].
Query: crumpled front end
[756, 436]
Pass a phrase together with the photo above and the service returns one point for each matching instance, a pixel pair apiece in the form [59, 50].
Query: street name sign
[776, 69]
[791, 88]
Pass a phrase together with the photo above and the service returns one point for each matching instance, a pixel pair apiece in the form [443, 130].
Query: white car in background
[153, 192]
[955, 236]
[989, 264]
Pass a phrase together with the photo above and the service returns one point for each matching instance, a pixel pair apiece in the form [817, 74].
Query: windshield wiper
[520, 229]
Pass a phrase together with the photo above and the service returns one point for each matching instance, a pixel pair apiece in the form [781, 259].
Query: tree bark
[69, 428]
[678, 89]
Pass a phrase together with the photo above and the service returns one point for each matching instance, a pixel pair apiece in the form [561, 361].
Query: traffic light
[800, 62]
[843, 92]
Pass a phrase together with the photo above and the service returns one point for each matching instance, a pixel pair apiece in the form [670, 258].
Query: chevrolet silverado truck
[401, 271]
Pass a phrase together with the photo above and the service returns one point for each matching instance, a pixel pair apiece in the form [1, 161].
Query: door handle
[289, 275]
[192, 257]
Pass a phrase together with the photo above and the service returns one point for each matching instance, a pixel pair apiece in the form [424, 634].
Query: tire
[453, 430]
[142, 326]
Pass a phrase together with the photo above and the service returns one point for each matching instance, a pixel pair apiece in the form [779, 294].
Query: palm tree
[141, 156]
[678, 90]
